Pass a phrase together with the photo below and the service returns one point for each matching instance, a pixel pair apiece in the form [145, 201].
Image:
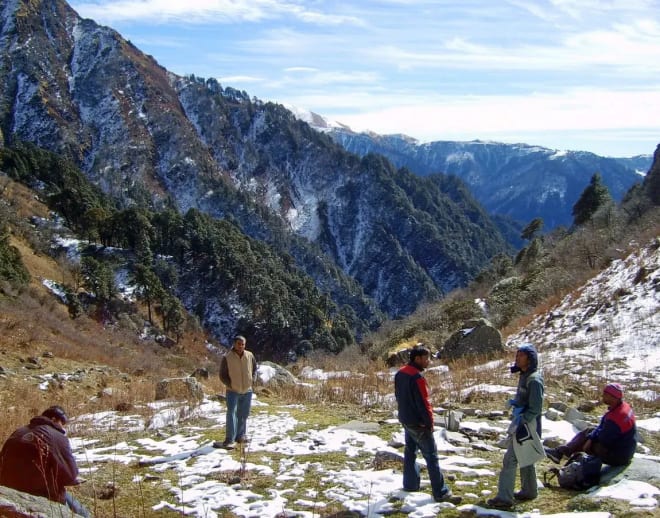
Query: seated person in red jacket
[614, 440]
[37, 459]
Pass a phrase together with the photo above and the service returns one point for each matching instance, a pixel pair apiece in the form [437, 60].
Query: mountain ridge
[521, 181]
[150, 138]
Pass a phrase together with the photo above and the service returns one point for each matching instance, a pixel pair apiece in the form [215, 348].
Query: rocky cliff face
[516, 180]
[147, 136]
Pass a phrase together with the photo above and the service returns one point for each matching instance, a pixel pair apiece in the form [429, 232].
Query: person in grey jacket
[527, 409]
[238, 371]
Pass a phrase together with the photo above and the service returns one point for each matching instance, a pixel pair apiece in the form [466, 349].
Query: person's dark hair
[55, 412]
[418, 350]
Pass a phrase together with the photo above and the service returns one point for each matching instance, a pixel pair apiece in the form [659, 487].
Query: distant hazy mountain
[515, 180]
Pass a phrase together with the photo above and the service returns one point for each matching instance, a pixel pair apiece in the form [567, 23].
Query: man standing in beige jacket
[238, 371]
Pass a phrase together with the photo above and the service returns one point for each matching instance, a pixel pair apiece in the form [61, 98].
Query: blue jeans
[238, 410]
[73, 504]
[421, 438]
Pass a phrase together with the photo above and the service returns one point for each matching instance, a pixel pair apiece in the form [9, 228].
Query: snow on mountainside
[316, 121]
[611, 324]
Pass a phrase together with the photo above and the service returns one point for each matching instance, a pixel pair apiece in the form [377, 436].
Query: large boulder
[397, 358]
[188, 389]
[475, 338]
[272, 374]
[16, 504]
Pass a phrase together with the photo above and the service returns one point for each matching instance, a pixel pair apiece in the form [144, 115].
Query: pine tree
[594, 196]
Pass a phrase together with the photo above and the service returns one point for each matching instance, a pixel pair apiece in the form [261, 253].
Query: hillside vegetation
[514, 289]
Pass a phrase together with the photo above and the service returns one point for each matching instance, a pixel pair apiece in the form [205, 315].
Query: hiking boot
[523, 497]
[449, 497]
[553, 454]
[498, 503]
[242, 440]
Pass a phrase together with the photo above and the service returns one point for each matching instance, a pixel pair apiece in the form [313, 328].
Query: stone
[387, 459]
[573, 414]
[201, 373]
[457, 438]
[179, 388]
[553, 414]
[398, 358]
[475, 338]
[587, 406]
[360, 426]
[16, 504]
[454, 420]
[270, 373]
[559, 405]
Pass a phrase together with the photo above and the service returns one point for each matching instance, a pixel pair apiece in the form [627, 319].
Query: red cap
[614, 390]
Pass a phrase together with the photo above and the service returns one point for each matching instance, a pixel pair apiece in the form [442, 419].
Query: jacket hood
[44, 421]
[531, 354]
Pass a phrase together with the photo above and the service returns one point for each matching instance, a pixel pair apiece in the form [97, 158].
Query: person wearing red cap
[613, 441]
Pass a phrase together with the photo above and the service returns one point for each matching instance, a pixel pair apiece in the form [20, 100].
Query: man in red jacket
[37, 459]
[613, 441]
[416, 416]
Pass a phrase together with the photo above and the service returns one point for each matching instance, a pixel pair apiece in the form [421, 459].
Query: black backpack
[580, 472]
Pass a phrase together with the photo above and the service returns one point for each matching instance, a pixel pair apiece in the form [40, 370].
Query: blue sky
[565, 74]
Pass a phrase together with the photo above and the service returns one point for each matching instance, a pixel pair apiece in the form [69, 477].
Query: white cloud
[233, 80]
[206, 11]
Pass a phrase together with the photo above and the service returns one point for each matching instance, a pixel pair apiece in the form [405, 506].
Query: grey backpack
[580, 472]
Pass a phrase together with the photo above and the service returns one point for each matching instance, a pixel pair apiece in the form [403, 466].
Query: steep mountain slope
[149, 137]
[516, 180]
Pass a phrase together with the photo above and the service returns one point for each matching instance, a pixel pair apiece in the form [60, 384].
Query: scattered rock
[106, 392]
[573, 414]
[16, 504]
[108, 492]
[587, 406]
[476, 337]
[273, 374]
[201, 373]
[398, 358]
[481, 446]
[360, 426]
[456, 437]
[559, 405]
[124, 407]
[553, 415]
[454, 420]
[387, 459]
[179, 388]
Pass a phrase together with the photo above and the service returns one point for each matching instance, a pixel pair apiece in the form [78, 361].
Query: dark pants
[578, 442]
[421, 438]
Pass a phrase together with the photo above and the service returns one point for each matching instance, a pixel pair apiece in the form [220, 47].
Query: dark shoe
[498, 503]
[242, 440]
[523, 497]
[225, 445]
[449, 497]
[553, 454]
